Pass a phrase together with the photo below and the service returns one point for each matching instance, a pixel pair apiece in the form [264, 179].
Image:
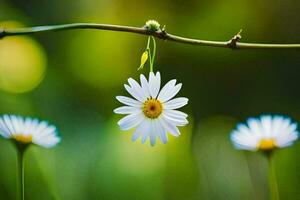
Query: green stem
[21, 183]
[149, 53]
[273, 186]
[153, 53]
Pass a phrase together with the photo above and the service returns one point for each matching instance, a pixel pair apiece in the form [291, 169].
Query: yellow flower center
[267, 144]
[22, 138]
[152, 108]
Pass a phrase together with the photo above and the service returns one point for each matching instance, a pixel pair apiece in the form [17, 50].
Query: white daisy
[28, 130]
[266, 133]
[152, 110]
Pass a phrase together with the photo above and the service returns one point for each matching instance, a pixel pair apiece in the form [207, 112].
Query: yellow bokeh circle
[22, 62]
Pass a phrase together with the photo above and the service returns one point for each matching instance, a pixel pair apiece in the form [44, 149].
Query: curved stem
[153, 53]
[231, 44]
[149, 53]
[273, 186]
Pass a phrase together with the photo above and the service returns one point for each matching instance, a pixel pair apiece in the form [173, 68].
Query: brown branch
[160, 34]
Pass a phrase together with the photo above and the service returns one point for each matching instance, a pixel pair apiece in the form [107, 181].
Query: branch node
[232, 43]
[162, 33]
[164, 29]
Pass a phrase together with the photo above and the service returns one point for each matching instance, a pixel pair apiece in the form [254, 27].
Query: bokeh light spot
[22, 62]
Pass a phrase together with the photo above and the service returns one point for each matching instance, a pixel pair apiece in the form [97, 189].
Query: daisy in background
[23, 132]
[151, 110]
[265, 133]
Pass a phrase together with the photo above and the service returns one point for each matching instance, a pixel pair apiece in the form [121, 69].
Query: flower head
[152, 110]
[27, 131]
[265, 133]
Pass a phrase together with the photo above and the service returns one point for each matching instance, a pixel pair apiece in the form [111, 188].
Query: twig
[161, 34]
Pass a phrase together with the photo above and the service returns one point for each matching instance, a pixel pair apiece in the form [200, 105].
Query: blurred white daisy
[152, 110]
[28, 130]
[265, 133]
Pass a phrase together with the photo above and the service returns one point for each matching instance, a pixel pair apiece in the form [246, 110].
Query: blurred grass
[223, 170]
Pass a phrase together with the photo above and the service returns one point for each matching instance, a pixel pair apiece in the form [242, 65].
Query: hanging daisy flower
[265, 133]
[152, 111]
[28, 131]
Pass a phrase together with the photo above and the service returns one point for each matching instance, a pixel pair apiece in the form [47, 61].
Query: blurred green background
[71, 78]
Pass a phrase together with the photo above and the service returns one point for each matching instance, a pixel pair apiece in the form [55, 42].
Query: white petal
[254, 127]
[4, 131]
[129, 101]
[266, 122]
[127, 110]
[169, 91]
[166, 90]
[147, 131]
[42, 127]
[136, 135]
[245, 147]
[137, 88]
[48, 131]
[8, 123]
[170, 127]
[140, 129]
[145, 137]
[134, 93]
[28, 125]
[145, 85]
[286, 128]
[15, 123]
[277, 125]
[175, 114]
[154, 84]
[48, 141]
[176, 122]
[287, 140]
[130, 121]
[244, 141]
[175, 103]
[153, 134]
[161, 132]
